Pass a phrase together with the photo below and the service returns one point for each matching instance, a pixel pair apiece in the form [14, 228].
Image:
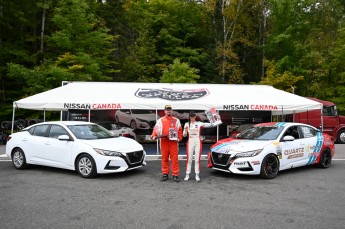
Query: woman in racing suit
[194, 146]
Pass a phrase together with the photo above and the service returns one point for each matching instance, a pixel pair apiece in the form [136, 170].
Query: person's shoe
[165, 177]
[197, 178]
[186, 178]
[176, 179]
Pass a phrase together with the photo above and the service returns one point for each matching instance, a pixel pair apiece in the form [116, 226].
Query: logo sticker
[171, 94]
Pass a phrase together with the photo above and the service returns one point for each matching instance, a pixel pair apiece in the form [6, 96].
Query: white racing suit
[194, 145]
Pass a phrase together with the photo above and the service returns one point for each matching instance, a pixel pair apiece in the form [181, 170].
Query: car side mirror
[288, 138]
[64, 137]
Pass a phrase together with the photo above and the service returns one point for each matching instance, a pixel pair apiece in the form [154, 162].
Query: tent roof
[115, 95]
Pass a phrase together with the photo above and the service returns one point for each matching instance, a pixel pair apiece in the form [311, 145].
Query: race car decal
[270, 124]
[316, 149]
[224, 147]
[281, 124]
[279, 151]
[242, 164]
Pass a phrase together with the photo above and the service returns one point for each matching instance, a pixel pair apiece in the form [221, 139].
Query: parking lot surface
[42, 197]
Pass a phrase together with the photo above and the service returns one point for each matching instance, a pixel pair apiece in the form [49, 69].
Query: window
[56, 131]
[292, 131]
[40, 130]
[329, 111]
[308, 132]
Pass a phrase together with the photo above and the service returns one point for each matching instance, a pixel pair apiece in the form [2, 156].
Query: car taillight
[8, 138]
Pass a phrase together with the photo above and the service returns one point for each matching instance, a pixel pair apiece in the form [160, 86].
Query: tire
[341, 137]
[6, 125]
[20, 124]
[86, 166]
[19, 159]
[269, 167]
[133, 125]
[325, 159]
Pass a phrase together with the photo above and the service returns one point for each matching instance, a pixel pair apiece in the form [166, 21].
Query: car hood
[147, 117]
[119, 144]
[234, 146]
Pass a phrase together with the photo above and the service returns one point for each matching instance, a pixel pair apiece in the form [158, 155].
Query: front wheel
[86, 166]
[269, 167]
[133, 125]
[18, 159]
[341, 137]
[325, 159]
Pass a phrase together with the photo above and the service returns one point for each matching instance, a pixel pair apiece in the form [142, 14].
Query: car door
[124, 116]
[34, 143]
[294, 153]
[314, 140]
[58, 152]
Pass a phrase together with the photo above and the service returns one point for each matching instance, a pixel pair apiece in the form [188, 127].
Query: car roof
[66, 123]
[283, 124]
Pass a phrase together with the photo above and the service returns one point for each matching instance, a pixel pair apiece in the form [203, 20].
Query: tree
[179, 73]
[163, 30]
[79, 49]
[285, 81]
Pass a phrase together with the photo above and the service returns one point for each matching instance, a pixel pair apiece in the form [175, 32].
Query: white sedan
[267, 148]
[136, 119]
[82, 146]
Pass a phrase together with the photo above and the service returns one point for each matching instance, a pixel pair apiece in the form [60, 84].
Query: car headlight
[141, 120]
[249, 153]
[108, 152]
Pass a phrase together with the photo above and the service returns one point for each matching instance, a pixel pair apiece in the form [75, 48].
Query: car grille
[220, 158]
[135, 157]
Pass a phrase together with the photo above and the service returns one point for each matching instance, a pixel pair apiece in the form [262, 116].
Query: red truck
[333, 123]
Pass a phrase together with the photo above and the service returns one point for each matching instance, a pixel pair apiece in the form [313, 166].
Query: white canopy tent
[154, 96]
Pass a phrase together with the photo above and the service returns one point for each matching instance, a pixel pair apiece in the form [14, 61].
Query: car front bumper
[244, 165]
[115, 164]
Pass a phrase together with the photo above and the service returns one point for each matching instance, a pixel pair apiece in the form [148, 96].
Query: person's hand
[153, 137]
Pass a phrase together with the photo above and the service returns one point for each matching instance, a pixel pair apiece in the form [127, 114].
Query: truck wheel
[341, 137]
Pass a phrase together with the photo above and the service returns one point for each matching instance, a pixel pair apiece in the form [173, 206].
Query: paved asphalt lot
[42, 197]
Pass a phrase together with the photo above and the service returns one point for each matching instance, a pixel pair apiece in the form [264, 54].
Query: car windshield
[90, 132]
[261, 133]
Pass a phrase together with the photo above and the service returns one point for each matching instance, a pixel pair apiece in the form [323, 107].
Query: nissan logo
[220, 156]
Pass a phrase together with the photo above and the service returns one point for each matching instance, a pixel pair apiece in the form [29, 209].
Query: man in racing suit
[194, 146]
[168, 129]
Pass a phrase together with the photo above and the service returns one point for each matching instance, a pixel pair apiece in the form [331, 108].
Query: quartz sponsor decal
[171, 94]
[250, 107]
[95, 106]
[294, 153]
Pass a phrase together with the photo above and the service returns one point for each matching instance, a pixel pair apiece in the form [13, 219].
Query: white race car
[82, 146]
[136, 119]
[119, 129]
[267, 148]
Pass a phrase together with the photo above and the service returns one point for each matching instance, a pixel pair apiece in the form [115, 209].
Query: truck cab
[331, 124]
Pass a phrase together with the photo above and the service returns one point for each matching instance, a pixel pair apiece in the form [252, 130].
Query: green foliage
[211, 41]
[285, 81]
[179, 73]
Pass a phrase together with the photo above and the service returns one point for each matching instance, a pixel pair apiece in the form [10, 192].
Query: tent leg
[12, 125]
[157, 142]
[89, 115]
[44, 115]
